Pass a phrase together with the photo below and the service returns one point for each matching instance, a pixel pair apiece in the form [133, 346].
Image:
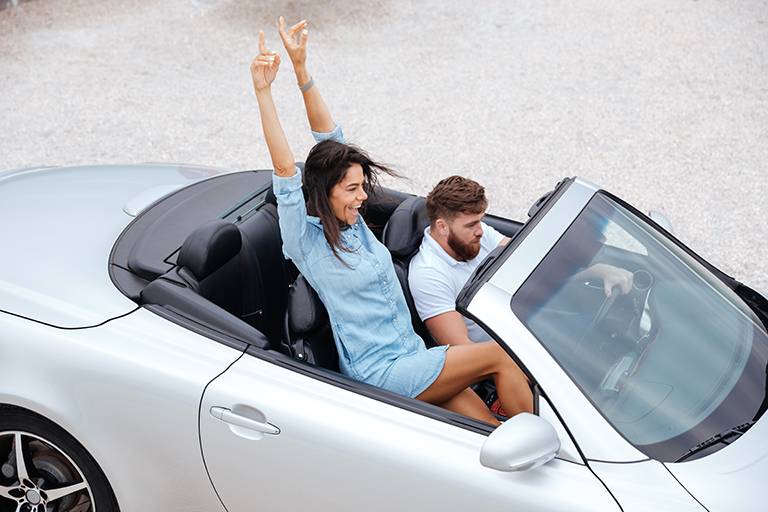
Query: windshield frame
[667, 447]
[496, 281]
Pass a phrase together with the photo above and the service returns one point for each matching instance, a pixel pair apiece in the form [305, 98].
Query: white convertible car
[158, 353]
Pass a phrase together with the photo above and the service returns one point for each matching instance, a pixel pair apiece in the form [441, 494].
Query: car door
[276, 439]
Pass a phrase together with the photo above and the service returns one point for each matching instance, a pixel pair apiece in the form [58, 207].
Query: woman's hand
[319, 117]
[264, 67]
[297, 52]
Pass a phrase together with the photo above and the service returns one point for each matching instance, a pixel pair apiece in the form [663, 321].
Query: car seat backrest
[402, 235]
[210, 262]
[308, 333]
[240, 268]
[206, 263]
[405, 228]
[265, 273]
[208, 248]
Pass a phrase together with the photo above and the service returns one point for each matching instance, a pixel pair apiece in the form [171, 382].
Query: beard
[464, 250]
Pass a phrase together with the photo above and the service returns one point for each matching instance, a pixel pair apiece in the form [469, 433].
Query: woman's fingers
[287, 40]
[266, 56]
[297, 28]
[289, 37]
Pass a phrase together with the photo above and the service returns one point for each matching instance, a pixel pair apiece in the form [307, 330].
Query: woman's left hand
[264, 67]
[296, 51]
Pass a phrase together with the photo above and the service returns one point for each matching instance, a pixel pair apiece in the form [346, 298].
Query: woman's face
[348, 195]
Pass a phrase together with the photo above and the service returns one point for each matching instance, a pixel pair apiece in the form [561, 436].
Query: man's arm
[433, 295]
[448, 329]
[611, 276]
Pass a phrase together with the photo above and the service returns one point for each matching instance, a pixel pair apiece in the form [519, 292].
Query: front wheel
[44, 469]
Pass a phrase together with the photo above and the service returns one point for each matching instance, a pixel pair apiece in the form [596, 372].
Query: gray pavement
[664, 102]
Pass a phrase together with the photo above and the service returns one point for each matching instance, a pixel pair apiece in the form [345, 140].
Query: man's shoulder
[426, 260]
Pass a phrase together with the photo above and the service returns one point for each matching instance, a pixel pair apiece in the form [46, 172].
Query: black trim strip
[367, 390]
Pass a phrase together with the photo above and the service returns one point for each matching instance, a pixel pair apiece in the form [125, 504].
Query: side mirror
[661, 219]
[521, 443]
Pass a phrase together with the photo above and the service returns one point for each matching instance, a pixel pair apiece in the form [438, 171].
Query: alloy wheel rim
[38, 476]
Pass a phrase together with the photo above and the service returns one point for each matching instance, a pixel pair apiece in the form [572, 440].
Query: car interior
[228, 278]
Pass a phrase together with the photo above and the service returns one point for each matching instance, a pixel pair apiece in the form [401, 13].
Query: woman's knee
[499, 358]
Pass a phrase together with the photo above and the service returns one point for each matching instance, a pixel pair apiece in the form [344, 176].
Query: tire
[55, 472]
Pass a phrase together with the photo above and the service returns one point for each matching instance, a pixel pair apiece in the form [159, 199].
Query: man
[454, 245]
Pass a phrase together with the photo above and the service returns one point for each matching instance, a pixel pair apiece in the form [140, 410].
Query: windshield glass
[674, 360]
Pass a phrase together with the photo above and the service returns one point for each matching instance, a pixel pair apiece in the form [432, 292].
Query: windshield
[673, 362]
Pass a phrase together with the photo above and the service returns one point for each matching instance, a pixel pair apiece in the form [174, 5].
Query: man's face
[464, 234]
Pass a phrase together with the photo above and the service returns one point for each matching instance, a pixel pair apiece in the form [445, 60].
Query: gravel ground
[663, 102]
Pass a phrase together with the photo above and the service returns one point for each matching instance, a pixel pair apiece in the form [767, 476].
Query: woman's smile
[347, 196]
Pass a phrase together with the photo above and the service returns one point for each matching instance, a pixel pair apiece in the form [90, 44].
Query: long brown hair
[325, 167]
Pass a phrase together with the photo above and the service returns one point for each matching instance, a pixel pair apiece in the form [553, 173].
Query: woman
[352, 271]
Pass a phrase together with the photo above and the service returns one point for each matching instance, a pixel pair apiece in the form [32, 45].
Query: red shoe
[496, 408]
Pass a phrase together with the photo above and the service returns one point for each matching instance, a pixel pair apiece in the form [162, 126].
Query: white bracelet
[308, 85]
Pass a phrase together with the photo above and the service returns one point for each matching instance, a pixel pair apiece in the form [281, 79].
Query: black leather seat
[206, 251]
[308, 333]
[265, 273]
[200, 287]
[402, 236]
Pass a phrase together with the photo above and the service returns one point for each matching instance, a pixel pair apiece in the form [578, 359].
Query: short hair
[454, 195]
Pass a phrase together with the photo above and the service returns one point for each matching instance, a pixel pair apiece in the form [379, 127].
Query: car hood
[59, 226]
[728, 479]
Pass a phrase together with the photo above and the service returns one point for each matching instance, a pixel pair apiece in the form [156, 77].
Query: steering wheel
[605, 307]
[600, 316]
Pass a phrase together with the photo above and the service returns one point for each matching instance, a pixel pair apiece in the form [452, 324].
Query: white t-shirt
[436, 278]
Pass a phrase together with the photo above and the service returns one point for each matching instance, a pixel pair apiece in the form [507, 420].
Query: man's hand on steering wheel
[617, 277]
[611, 276]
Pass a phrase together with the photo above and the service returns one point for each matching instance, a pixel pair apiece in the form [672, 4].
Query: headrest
[209, 247]
[306, 311]
[403, 232]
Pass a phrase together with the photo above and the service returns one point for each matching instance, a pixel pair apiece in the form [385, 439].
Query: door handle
[227, 416]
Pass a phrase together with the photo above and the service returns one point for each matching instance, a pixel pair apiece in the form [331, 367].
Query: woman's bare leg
[467, 364]
[469, 404]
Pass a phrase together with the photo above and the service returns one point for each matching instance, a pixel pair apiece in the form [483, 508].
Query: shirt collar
[431, 244]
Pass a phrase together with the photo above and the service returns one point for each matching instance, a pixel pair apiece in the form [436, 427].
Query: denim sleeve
[292, 214]
[336, 135]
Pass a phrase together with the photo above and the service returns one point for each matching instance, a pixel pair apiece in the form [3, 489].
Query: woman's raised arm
[319, 117]
[263, 71]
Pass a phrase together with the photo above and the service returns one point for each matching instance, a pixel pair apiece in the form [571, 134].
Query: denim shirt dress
[369, 315]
